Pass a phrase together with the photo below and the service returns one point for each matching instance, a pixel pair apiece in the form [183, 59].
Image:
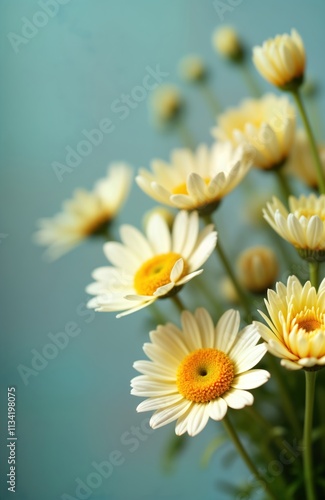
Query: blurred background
[62, 78]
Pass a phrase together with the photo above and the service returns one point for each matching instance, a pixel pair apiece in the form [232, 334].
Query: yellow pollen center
[182, 189]
[310, 325]
[204, 375]
[155, 273]
[308, 213]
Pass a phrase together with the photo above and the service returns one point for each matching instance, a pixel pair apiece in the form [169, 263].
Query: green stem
[200, 283]
[308, 461]
[313, 145]
[265, 424]
[283, 183]
[314, 273]
[244, 455]
[288, 408]
[226, 264]
[250, 81]
[210, 98]
[185, 134]
[178, 303]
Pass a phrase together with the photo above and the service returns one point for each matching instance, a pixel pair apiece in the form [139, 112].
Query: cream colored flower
[266, 125]
[196, 180]
[257, 268]
[226, 42]
[166, 102]
[301, 162]
[197, 372]
[152, 267]
[281, 60]
[87, 213]
[303, 226]
[192, 68]
[295, 328]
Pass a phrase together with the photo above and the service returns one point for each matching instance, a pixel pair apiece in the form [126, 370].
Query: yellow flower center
[182, 188]
[204, 375]
[155, 273]
[308, 213]
[310, 320]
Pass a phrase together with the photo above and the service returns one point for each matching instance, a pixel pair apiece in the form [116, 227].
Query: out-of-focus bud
[226, 42]
[192, 69]
[166, 103]
[257, 269]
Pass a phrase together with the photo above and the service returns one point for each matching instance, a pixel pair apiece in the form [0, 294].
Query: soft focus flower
[152, 267]
[88, 213]
[167, 214]
[266, 125]
[195, 373]
[226, 42]
[192, 68]
[301, 161]
[303, 227]
[281, 60]
[166, 103]
[196, 180]
[295, 328]
[257, 268]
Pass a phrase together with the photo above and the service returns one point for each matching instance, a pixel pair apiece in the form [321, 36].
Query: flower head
[266, 125]
[88, 213]
[295, 328]
[281, 60]
[196, 180]
[197, 372]
[192, 68]
[303, 226]
[226, 42]
[301, 162]
[152, 267]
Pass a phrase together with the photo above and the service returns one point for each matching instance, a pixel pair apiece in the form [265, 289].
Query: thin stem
[226, 264]
[288, 408]
[250, 81]
[200, 283]
[283, 183]
[210, 98]
[178, 303]
[185, 134]
[314, 273]
[308, 461]
[246, 458]
[313, 145]
[265, 424]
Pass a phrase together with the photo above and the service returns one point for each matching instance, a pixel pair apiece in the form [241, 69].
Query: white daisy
[152, 267]
[295, 324]
[281, 60]
[266, 125]
[303, 225]
[87, 213]
[198, 372]
[196, 180]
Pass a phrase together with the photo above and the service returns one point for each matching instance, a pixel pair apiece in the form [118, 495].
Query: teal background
[77, 410]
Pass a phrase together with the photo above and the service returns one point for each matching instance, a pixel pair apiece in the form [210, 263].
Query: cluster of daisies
[197, 370]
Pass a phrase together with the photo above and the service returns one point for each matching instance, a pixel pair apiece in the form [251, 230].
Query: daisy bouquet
[246, 328]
